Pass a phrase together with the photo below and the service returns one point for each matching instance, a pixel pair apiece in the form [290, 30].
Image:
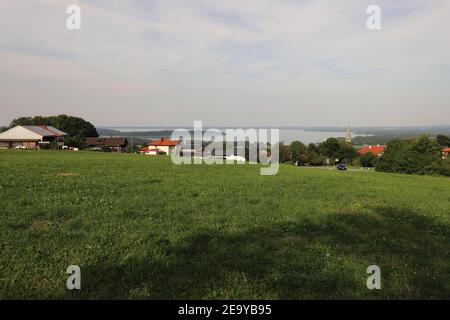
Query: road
[330, 168]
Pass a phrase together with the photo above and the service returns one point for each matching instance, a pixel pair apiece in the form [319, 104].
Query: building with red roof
[160, 146]
[445, 152]
[376, 150]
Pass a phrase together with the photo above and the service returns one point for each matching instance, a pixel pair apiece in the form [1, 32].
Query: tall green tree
[284, 155]
[330, 148]
[334, 149]
[417, 156]
[422, 154]
[299, 153]
[347, 154]
[393, 155]
[73, 126]
[443, 141]
[312, 147]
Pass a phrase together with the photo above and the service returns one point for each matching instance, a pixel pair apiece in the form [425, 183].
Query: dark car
[341, 166]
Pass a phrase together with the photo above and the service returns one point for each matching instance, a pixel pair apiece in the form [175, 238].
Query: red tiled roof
[446, 150]
[376, 150]
[163, 142]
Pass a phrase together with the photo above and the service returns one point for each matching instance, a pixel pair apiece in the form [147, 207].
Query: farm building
[117, 144]
[160, 146]
[31, 137]
[445, 152]
[376, 150]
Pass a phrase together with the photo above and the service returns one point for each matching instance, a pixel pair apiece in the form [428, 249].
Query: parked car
[341, 166]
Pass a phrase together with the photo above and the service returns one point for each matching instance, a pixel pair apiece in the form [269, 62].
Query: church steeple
[348, 136]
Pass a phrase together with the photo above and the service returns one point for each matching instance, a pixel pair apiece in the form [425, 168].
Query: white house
[31, 137]
[160, 146]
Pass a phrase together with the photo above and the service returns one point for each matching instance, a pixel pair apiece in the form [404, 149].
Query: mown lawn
[141, 227]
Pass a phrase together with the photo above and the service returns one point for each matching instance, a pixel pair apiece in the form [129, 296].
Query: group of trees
[76, 128]
[415, 156]
[443, 141]
[336, 151]
[422, 155]
[368, 160]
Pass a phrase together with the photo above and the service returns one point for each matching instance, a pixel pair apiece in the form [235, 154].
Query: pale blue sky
[248, 62]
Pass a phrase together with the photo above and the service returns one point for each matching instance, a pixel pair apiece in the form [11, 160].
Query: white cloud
[274, 62]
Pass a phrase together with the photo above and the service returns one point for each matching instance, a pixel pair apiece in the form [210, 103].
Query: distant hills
[413, 130]
[439, 129]
[363, 135]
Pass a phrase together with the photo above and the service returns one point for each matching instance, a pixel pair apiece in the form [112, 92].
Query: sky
[227, 62]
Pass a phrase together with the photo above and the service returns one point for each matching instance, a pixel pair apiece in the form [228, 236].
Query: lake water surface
[286, 135]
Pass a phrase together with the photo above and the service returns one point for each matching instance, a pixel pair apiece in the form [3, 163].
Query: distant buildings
[117, 144]
[445, 152]
[376, 150]
[31, 137]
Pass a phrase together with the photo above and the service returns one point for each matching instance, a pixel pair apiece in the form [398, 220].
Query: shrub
[317, 159]
[299, 153]
[418, 156]
[368, 159]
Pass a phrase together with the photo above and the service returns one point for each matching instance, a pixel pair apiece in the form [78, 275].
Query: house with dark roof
[118, 144]
[31, 137]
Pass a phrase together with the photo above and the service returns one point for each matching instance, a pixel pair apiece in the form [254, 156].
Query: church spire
[348, 136]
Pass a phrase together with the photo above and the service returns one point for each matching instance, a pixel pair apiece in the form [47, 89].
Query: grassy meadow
[141, 227]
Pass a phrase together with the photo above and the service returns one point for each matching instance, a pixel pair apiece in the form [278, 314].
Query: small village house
[160, 146]
[376, 150]
[445, 152]
[151, 151]
[117, 144]
[31, 137]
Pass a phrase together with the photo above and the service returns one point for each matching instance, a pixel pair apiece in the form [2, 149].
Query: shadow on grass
[325, 258]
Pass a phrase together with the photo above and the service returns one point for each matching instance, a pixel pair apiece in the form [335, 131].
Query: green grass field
[141, 227]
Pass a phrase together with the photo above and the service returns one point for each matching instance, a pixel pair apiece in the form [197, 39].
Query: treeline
[422, 155]
[331, 151]
[416, 156]
[384, 135]
[77, 128]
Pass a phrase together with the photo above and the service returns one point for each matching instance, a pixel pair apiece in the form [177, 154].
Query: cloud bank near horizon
[252, 62]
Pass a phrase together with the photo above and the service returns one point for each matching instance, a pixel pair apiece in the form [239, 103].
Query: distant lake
[286, 135]
[289, 135]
